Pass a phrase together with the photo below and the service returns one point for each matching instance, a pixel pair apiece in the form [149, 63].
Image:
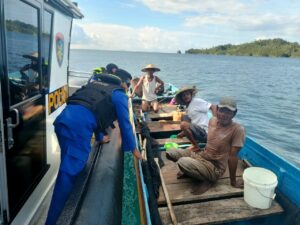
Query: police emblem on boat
[59, 38]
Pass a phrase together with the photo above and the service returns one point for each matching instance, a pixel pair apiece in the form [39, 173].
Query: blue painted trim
[288, 175]
[145, 195]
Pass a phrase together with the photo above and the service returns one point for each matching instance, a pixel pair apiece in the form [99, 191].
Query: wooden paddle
[170, 207]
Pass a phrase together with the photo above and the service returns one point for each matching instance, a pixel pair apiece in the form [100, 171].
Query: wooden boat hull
[223, 204]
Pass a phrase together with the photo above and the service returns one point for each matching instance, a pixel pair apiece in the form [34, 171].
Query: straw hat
[150, 67]
[183, 89]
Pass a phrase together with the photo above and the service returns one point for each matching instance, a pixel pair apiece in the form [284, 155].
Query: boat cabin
[34, 55]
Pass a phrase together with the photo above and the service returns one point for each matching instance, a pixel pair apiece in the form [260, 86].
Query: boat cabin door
[22, 109]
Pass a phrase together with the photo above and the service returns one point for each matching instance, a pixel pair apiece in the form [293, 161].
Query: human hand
[180, 135]
[137, 154]
[237, 184]
[131, 95]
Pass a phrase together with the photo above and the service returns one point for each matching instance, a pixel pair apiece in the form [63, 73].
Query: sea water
[267, 90]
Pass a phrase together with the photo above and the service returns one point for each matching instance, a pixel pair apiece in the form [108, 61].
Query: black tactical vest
[96, 96]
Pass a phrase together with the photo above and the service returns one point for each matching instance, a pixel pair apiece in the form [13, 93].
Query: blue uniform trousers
[74, 155]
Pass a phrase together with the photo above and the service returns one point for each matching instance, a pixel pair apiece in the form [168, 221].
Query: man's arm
[120, 101]
[213, 109]
[136, 86]
[232, 164]
[160, 83]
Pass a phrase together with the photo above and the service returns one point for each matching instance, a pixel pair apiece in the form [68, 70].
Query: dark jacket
[96, 96]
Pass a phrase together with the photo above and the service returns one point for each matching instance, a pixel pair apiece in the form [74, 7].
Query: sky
[172, 25]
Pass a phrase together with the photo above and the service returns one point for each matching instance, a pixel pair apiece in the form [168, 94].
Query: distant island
[270, 48]
[21, 27]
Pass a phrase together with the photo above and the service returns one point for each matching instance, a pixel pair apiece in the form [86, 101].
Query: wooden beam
[184, 140]
[196, 191]
[216, 212]
[166, 195]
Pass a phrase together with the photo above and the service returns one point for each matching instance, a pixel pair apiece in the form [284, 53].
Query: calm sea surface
[267, 89]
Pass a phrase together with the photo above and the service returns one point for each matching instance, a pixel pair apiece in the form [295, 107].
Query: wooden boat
[29, 151]
[192, 202]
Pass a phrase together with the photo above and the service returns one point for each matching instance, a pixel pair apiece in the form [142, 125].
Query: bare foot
[181, 175]
[238, 184]
[194, 148]
[180, 135]
[105, 139]
[201, 187]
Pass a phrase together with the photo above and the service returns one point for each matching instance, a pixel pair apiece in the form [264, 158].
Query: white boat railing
[77, 79]
[80, 74]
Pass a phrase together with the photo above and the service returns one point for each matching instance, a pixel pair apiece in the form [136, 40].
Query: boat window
[46, 48]
[22, 30]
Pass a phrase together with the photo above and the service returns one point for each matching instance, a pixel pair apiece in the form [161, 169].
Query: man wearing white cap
[225, 139]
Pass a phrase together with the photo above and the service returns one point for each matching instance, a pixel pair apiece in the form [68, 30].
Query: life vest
[96, 96]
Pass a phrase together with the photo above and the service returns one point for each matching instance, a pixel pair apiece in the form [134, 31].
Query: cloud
[179, 6]
[267, 23]
[118, 37]
[203, 24]
[242, 16]
[79, 36]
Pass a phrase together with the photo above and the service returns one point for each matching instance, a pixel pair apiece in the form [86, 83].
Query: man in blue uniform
[91, 109]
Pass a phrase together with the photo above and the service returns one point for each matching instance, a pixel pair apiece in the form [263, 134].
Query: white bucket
[259, 187]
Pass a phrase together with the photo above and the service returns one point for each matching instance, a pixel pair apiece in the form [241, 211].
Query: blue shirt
[80, 123]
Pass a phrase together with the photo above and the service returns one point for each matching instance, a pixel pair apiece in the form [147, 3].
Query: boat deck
[196, 202]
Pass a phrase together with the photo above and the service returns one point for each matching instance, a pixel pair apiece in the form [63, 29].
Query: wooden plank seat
[216, 212]
[165, 111]
[163, 126]
[196, 202]
[160, 116]
[162, 141]
[188, 189]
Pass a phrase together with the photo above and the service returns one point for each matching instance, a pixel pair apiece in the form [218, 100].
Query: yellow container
[177, 115]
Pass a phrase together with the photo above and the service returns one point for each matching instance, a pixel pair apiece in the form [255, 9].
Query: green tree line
[272, 47]
[18, 26]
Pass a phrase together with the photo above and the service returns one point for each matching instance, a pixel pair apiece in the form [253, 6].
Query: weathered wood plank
[184, 140]
[188, 189]
[164, 126]
[196, 190]
[164, 110]
[218, 211]
[159, 115]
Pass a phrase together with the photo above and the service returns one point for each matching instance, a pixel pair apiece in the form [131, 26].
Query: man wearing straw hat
[224, 141]
[29, 72]
[195, 124]
[151, 86]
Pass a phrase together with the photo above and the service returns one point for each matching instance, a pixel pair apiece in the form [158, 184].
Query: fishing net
[151, 173]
